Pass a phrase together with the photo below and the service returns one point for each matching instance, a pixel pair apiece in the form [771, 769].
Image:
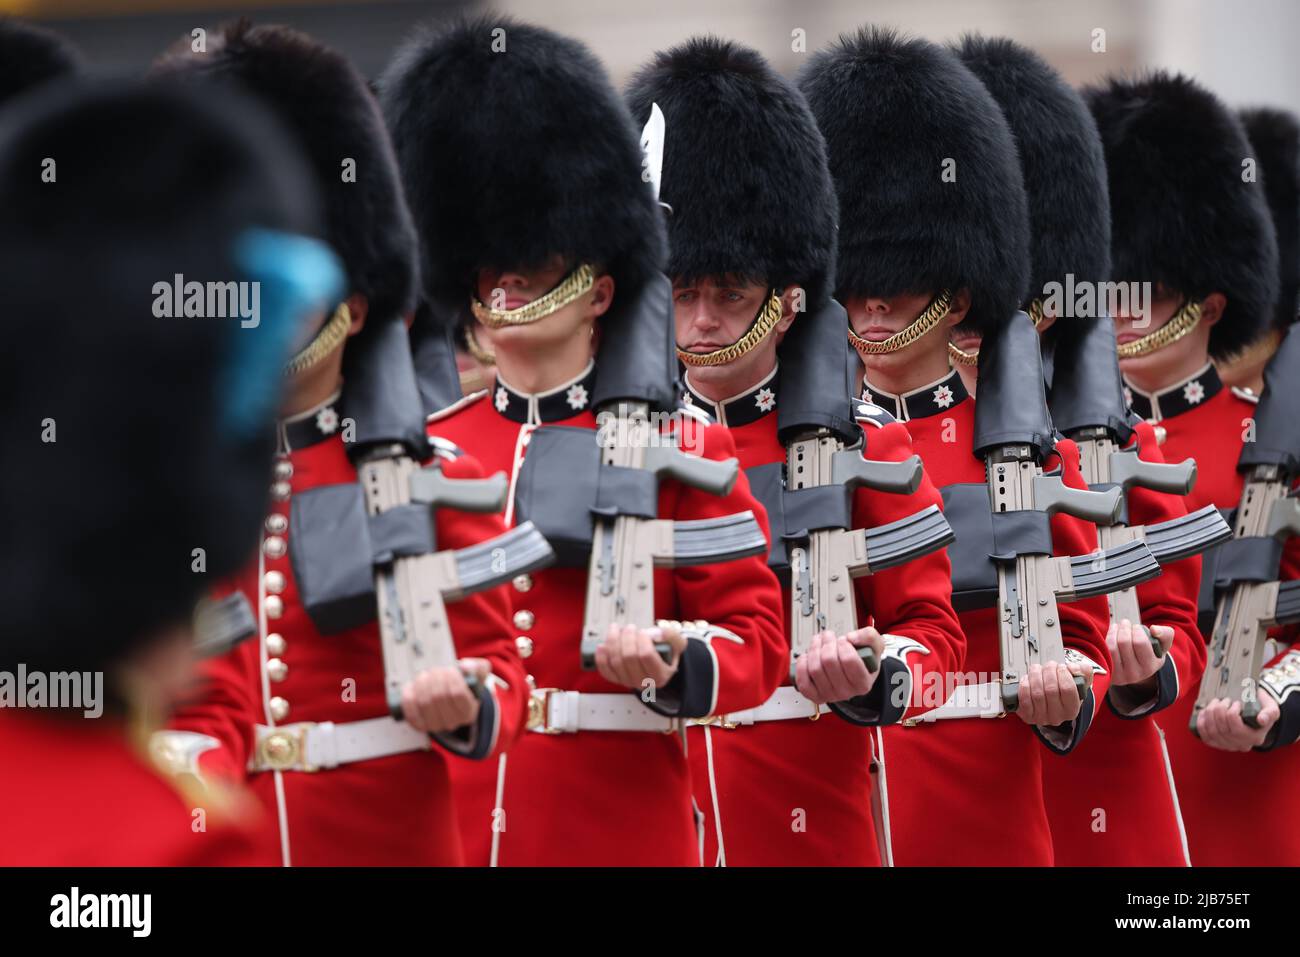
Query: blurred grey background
[1242, 49]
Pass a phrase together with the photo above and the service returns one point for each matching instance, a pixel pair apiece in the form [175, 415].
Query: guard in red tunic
[752, 238]
[1113, 802]
[526, 179]
[1212, 298]
[933, 232]
[302, 711]
[144, 443]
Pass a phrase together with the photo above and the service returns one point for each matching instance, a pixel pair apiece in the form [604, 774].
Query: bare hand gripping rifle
[1014, 435]
[1087, 405]
[367, 549]
[595, 496]
[1251, 599]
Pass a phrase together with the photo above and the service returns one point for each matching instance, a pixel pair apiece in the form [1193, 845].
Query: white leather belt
[311, 746]
[967, 701]
[786, 704]
[552, 711]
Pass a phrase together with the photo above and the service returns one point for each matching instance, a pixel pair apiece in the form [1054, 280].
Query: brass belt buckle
[285, 749]
[714, 719]
[539, 711]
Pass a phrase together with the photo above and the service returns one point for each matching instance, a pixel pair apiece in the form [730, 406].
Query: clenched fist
[1047, 694]
[439, 700]
[831, 669]
[628, 656]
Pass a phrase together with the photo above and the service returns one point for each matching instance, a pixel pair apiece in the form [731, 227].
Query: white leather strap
[553, 711]
[786, 704]
[310, 746]
[966, 701]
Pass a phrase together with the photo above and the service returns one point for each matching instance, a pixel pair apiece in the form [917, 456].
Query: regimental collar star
[554, 405]
[1178, 397]
[327, 420]
[576, 396]
[742, 408]
[310, 426]
[930, 399]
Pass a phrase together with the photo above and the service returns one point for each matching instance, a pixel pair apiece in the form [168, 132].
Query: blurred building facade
[1242, 49]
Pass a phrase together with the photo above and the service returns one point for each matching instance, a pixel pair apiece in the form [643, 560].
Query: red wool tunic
[1224, 795]
[1112, 801]
[968, 791]
[798, 792]
[610, 797]
[388, 810]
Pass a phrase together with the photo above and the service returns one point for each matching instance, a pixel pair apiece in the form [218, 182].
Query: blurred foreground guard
[366, 674]
[144, 442]
[920, 252]
[525, 177]
[31, 56]
[1186, 221]
[752, 249]
[1121, 767]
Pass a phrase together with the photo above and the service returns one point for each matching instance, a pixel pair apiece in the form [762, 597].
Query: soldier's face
[515, 287]
[712, 313]
[876, 318]
[1132, 324]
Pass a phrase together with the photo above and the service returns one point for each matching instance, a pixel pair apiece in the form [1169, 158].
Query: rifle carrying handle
[430, 487]
[709, 475]
[1172, 478]
[664, 649]
[902, 478]
[1100, 508]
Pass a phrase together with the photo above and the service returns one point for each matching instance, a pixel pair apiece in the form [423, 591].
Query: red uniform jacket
[797, 792]
[78, 795]
[621, 797]
[1225, 796]
[388, 810]
[1113, 801]
[968, 791]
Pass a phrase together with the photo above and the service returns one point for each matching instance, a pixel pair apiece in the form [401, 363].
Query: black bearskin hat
[1180, 212]
[319, 96]
[1275, 136]
[744, 168]
[1061, 159]
[31, 55]
[925, 166]
[514, 147]
[130, 438]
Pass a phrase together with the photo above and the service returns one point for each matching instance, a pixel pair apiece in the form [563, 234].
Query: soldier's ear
[359, 307]
[1212, 307]
[792, 303]
[957, 311]
[602, 295]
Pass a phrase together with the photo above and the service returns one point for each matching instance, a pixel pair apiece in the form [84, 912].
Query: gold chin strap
[763, 324]
[919, 326]
[476, 349]
[570, 288]
[963, 358]
[329, 338]
[1183, 322]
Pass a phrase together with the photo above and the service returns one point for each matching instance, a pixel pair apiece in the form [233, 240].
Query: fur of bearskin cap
[894, 111]
[744, 168]
[1275, 136]
[512, 157]
[31, 55]
[100, 523]
[1060, 157]
[324, 101]
[1181, 213]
